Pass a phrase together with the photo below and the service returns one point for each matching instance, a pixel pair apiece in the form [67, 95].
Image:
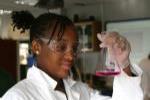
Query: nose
[69, 55]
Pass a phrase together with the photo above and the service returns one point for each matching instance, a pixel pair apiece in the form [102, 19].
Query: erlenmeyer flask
[107, 66]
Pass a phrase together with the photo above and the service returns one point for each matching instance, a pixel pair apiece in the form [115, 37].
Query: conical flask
[107, 64]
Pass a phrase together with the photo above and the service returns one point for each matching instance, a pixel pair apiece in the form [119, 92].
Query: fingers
[113, 39]
[122, 43]
[117, 46]
[105, 38]
[100, 36]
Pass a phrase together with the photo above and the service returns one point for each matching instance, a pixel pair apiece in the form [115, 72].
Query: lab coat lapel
[44, 82]
[72, 93]
[75, 95]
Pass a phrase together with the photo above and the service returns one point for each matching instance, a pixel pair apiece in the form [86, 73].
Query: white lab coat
[39, 86]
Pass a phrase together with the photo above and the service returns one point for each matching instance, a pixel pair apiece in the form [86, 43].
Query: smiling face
[53, 41]
[56, 58]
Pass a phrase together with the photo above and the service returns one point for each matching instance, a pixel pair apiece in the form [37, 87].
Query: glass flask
[107, 66]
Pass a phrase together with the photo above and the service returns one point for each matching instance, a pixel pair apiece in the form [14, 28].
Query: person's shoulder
[19, 85]
[17, 91]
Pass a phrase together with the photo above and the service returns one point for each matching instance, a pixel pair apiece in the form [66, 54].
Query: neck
[60, 86]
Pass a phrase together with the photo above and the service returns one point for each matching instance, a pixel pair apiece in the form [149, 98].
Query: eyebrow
[68, 41]
[61, 40]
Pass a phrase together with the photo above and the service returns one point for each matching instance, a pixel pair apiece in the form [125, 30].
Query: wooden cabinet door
[8, 64]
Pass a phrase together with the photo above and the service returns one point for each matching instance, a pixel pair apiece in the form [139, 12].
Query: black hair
[22, 20]
[47, 24]
[44, 25]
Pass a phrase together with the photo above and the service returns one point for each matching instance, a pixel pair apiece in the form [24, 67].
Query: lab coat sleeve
[95, 95]
[14, 95]
[124, 87]
[127, 87]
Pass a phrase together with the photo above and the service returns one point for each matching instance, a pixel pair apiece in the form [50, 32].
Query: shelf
[87, 32]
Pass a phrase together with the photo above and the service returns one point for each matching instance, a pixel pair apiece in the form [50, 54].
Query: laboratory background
[131, 18]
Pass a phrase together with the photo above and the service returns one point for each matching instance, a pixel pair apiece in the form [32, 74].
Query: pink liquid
[105, 73]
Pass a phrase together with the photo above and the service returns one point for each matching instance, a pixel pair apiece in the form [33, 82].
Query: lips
[66, 65]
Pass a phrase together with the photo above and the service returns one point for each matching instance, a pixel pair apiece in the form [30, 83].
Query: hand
[116, 45]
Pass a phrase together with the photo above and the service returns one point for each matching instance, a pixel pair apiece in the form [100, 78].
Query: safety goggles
[62, 46]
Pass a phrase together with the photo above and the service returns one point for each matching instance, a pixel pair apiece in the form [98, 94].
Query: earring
[37, 52]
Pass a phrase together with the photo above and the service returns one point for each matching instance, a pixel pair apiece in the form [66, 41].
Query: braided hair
[45, 25]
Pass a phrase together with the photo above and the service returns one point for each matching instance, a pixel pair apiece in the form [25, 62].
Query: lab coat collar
[45, 80]
[41, 78]
[135, 69]
[69, 82]
[70, 89]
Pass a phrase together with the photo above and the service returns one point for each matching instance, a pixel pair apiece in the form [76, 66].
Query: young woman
[54, 43]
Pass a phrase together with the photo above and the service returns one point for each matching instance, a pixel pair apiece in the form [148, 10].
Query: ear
[36, 47]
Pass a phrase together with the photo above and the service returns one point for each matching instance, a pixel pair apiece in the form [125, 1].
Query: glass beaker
[107, 65]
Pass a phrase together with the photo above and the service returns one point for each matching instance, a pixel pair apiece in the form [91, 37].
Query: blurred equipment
[50, 4]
